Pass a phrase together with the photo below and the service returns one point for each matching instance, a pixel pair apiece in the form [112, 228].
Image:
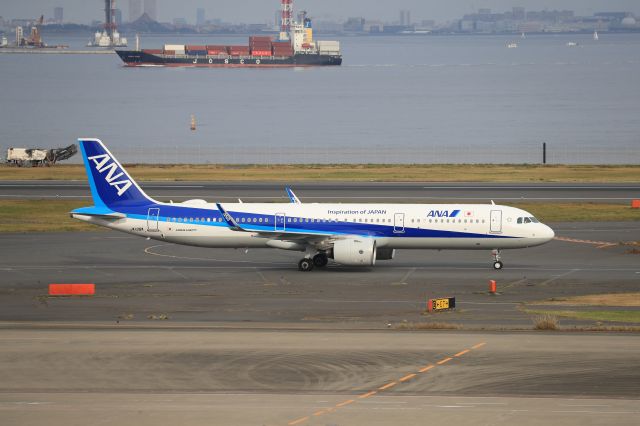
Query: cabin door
[280, 222]
[152, 220]
[495, 225]
[398, 223]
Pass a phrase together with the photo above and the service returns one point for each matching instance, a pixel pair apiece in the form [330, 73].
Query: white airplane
[350, 234]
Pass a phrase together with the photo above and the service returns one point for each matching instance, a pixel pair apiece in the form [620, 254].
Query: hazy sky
[263, 10]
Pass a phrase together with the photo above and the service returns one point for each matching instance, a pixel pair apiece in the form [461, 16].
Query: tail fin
[111, 186]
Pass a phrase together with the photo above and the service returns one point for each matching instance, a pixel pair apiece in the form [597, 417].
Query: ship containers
[238, 50]
[177, 49]
[216, 50]
[328, 47]
[282, 48]
[153, 51]
[261, 52]
[283, 52]
[196, 50]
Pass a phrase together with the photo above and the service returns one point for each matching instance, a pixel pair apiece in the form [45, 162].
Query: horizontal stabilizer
[98, 211]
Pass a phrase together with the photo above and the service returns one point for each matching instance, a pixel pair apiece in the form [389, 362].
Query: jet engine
[355, 252]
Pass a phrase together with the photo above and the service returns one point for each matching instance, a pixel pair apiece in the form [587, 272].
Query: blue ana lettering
[443, 213]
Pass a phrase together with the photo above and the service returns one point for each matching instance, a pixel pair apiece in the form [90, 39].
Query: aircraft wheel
[497, 265]
[320, 260]
[305, 265]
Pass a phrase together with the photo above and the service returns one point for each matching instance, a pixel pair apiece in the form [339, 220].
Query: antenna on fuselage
[492, 203]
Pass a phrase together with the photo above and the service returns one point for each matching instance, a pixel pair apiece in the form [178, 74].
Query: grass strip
[41, 216]
[580, 212]
[613, 316]
[346, 172]
[609, 299]
[53, 215]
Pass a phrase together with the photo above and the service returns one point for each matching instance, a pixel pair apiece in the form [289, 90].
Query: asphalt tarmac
[182, 335]
[137, 278]
[93, 375]
[343, 191]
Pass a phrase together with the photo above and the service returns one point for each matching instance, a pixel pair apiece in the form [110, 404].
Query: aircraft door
[152, 220]
[280, 222]
[398, 223]
[495, 224]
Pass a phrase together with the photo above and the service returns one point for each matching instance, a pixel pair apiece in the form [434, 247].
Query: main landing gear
[497, 264]
[319, 260]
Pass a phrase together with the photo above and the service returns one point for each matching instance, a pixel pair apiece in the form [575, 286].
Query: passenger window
[260, 220]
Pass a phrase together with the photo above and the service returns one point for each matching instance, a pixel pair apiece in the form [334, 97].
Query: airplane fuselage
[406, 226]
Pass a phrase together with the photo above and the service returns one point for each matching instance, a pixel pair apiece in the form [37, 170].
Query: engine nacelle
[385, 253]
[355, 252]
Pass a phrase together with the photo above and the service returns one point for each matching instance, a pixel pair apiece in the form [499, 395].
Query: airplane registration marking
[385, 387]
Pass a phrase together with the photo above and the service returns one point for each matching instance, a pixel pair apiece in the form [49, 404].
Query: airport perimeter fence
[367, 154]
[362, 153]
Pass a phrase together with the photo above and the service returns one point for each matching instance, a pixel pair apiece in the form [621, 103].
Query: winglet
[229, 219]
[292, 196]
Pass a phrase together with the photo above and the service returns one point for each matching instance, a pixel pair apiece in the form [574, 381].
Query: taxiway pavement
[343, 191]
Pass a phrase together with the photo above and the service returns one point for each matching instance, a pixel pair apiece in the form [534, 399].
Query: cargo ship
[294, 49]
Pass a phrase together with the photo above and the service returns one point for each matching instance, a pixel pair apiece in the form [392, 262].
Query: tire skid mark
[385, 387]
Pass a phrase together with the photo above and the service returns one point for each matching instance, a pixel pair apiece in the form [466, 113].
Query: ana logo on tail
[105, 163]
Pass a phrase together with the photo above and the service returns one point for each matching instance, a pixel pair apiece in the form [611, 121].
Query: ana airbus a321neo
[350, 234]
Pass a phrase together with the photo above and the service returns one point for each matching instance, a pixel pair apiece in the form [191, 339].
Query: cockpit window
[527, 220]
[534, 220]
[519, 220]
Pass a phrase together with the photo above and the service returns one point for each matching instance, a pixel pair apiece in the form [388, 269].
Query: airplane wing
[315, 238]
[294, 199]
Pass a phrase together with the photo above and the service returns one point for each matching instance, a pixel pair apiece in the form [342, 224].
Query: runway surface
[342, 191]
[236, 377]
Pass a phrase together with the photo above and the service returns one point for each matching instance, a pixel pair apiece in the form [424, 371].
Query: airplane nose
[548, 233]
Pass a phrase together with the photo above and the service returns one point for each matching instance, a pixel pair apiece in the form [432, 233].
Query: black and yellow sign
[442, 304]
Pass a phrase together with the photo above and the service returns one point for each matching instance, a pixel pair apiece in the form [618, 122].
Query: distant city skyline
[258, 11]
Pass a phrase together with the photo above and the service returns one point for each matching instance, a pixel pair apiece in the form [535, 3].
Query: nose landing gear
[497, 264]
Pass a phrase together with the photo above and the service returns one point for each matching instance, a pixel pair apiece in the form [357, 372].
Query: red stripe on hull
[147, 64]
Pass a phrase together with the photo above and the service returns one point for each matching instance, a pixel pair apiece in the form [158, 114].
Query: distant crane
[35, 38]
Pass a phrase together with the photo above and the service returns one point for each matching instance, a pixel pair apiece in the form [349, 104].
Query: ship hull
[135, 58]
